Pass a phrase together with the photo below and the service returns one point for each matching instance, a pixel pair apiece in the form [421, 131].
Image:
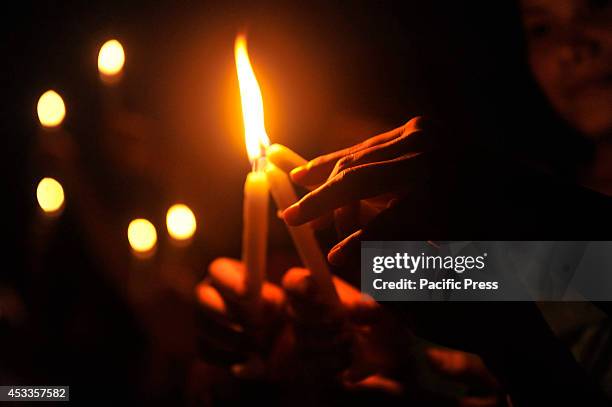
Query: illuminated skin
[222, 300]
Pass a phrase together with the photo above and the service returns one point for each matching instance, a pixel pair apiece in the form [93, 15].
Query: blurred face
[570, 54]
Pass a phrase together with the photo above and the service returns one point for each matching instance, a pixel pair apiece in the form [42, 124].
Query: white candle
[255, 215]
[255, 231]
[303, 236]
[284, 158]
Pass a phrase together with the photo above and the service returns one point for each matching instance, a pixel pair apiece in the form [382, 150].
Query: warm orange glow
[51, 109]
[181, 222]
[252, 102]
[50, 195]
[142, 235]
[111, 58]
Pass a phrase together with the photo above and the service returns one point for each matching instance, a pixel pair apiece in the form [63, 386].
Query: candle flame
[111, 58]
[51, 109]
[50, 195]
[255, 134]
[141, 235]
[181, 222]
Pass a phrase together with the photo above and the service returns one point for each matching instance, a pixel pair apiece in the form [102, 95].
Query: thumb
[303, 296]
[321, 333]
[307, 303]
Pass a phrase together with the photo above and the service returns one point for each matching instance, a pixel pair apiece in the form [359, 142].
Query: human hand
[350, 343]
[468, 370]
[232, 328]
[294, 327]
[363, 180]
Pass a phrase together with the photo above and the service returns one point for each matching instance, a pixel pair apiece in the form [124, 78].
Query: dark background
[331, 73]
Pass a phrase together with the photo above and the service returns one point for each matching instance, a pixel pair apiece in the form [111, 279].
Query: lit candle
[142, 237]
[278, 182]
[50, 196]
[256, 197]
[51, 109]
[51, 143]
[111, 59]
[181, 224]
[303, 236]
[284, 158]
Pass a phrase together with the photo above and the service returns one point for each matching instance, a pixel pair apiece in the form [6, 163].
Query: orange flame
[255, 134]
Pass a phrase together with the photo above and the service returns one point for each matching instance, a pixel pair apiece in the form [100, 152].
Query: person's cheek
[546, 70]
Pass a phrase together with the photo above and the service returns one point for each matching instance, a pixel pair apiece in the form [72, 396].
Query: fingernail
[290, 215]
[336, 256]
[298, 172]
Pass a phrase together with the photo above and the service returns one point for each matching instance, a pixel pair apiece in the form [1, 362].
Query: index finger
[318, 169]
[361, 182]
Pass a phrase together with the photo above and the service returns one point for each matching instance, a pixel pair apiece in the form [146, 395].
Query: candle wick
[259, 164]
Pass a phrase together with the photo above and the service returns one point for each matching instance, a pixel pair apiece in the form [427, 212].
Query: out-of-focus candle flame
[142, 235]
[181, 222]
[51, 109]
[50, 195]
[255, 134]
[111, 58]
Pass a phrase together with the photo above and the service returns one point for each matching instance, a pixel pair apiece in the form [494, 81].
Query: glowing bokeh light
[252, 102]
[142, 235]
[181, 222]
[111, 58]
[50, 195]
[51, 109]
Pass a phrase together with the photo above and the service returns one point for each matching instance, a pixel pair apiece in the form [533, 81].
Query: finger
[346, 219]
[461, 365]
[210, 299]
[350, 218]
[321, 333]
[346, 249]
[358, 307]
[483, 401]
[356, 183]
[253, 368]
[377, 382]
[219, 340]
[409, 141]
[307, 303]
[301, 292]
[213, 315]
[227, 277]
[317, 170]
[215, 334]
[217, 353]
[350, 246]
[323, 222]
